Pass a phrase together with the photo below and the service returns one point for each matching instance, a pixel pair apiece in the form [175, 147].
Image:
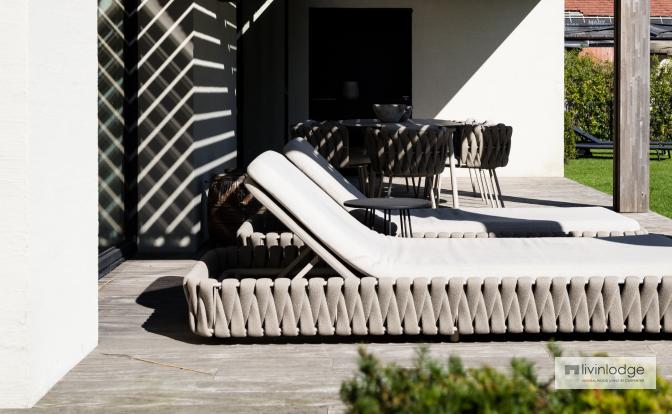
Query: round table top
[388, 203]
[376, 123]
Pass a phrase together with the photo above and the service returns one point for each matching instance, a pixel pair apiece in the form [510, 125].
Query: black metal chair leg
[410, 226]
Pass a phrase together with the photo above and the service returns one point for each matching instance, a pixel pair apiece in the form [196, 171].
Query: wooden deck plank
[148, 361]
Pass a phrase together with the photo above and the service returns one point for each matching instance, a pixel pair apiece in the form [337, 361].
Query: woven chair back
[485, 146]
[330, 139]
[400, 151]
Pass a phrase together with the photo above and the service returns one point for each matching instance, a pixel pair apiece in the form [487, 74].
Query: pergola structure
[632, 115]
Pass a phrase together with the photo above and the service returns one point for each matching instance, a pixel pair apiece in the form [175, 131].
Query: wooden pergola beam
[631, 150]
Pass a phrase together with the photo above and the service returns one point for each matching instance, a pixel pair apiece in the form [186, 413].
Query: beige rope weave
[332, 306]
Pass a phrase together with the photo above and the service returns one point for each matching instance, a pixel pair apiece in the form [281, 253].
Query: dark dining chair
[416, 152]
[330, 139]
[484, 147]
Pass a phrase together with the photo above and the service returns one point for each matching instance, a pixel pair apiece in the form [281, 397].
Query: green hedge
[589, 93]
[570, 139]
[661, 100]
[434, 387]
[589, 98]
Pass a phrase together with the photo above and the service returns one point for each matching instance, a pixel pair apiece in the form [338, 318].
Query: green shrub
[661, 100]
[589, 93]
[589, 98]
[434, 387]
[570, 140]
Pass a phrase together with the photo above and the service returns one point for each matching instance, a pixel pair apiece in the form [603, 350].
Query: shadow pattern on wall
[178, 113]
[111, 125]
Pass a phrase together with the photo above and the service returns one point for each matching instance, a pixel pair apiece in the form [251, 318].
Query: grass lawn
[597, 172]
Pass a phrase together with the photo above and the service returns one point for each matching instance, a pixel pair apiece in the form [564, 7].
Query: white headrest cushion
[318, 169]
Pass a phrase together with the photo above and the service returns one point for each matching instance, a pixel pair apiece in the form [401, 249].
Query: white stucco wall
[481, 59]
[48, 188]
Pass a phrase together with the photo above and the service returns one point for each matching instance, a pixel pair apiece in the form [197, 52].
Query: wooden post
[631, 150]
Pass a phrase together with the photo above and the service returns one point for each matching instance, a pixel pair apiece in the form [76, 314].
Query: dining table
[454, 127]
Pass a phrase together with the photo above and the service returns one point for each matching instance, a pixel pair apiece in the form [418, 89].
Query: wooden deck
[147, 361]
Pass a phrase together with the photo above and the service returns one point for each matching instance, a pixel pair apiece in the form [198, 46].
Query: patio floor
[147, 360]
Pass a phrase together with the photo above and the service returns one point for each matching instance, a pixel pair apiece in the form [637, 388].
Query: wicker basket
[229, 205]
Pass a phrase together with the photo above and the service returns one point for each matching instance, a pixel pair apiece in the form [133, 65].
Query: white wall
[482, 59]
[48, 188]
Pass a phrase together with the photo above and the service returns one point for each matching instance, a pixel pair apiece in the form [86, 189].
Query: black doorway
[358, 57]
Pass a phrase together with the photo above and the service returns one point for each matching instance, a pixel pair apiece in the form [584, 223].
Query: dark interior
[369, 47]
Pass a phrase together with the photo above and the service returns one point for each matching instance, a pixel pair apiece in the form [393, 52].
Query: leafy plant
[446, 388]
[589, 98]
[570, 139]
[661, 99]
[589, 93]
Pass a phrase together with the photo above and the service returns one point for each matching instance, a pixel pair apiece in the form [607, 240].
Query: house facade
[117, 114]
[204, 87]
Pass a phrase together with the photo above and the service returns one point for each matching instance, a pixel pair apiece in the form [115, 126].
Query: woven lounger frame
[268, 306]
[249, 232]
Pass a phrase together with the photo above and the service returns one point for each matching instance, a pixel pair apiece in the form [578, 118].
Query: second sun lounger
[475, 222]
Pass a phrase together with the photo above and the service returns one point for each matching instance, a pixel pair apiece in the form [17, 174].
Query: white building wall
[483, 59]
[48, 187]
[14, 217]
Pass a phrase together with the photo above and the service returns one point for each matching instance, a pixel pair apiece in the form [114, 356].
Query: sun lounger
[475, 222]
[376, 285]
[585, 142]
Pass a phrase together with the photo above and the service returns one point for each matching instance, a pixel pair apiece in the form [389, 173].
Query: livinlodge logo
[572, 369]
[605, 372]
[631, 371]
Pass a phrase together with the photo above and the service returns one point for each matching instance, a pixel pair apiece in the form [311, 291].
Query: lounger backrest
[313, 165]
[344, 243]
[315, 211]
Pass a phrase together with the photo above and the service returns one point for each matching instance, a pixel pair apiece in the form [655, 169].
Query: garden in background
[589, 105]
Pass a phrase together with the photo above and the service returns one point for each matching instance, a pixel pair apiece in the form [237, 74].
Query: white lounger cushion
[389, 257]
[544, 220]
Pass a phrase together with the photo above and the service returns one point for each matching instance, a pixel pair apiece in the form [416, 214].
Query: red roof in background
[606, 7]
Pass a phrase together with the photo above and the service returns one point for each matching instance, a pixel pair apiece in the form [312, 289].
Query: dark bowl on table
[391, 113]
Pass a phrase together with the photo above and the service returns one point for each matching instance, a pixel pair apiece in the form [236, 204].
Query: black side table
[404, 205]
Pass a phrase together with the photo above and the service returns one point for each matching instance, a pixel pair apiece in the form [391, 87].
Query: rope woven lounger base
[327, 306]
